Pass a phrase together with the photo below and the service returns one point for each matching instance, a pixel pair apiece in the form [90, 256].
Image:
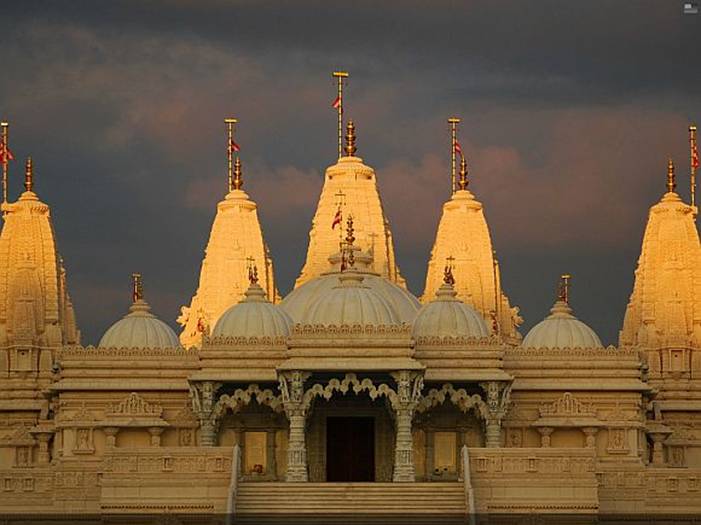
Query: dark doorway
[350, 449]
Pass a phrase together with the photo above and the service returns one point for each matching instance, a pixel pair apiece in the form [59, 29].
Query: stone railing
[211, 460]
[529, 461]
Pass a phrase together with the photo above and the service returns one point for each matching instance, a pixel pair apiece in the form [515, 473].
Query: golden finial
[28, 175]
[338, 106]
[137, 289]
[563, 293]
[253, 274]
[448, 277]
[238, 178]
[671, 181]
[350, 139]
[347, 255]
[463, 182]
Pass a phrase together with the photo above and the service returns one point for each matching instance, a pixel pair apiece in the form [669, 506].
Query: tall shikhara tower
[36, 313]
[463, 242]
[235, 244]
[664, 311]
[351, 187]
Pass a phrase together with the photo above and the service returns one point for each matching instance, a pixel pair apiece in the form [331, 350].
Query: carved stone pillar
[155, 433]
[545, 433]
[590, 436]
[409, 386]
[43, 457]
[292, 388]
[498, 398]
[657, 447]
[202, 398]
[110, 436]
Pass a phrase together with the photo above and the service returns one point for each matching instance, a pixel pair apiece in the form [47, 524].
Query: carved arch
[350, 381]
[460, 398]
[241, 398]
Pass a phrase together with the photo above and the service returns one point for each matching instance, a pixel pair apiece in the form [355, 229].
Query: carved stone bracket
[498, 401]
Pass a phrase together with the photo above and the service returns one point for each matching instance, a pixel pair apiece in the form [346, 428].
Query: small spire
[350, 139]
[671, 180]
[137, 288]
[463, 182]
[564, 288]
[238, 175]
[28, 175]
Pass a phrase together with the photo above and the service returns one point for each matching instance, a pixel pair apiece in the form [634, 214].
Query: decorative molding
[211, 342]
[134, 406]
[567, 406]
[460, 398]
[350, 330]
[486, 343]
[350, 381]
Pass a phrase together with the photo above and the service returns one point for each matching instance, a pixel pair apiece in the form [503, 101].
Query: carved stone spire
[236, 237]
[463, 234]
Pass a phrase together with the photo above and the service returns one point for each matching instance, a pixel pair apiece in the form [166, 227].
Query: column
[498, 400]
[202, 399]
[43, 457]
[545, 433]
[155, 433]
[409, 386]
[657, 447]
[590, 436]
[292, 388]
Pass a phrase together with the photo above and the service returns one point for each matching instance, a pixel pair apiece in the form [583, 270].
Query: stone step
[367, 503]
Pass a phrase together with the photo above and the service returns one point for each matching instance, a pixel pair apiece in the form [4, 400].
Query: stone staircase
[366, 503]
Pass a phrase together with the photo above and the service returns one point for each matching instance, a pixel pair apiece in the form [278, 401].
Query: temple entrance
[350, 449]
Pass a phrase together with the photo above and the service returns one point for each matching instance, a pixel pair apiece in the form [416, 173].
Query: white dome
[255, 316]
[402, 301]
[561, 329]
[350, 302]
[445, 316]
[139, 329]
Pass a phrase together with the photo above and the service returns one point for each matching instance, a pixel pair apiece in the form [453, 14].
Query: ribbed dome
[255, 316]
[300, 299]
[561, 329]
[139, 329]
[350, 302]
[446, 316]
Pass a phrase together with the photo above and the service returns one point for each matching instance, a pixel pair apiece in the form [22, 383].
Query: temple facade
[350, 397]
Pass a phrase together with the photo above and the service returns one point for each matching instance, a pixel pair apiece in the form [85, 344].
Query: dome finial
[463, 182]
[252, 270]
[137, 288]
[347, 256]
[563, 293]
[455, 149]
[448, 271]
[671, 180]
[238, 175]
[28, 175]
[350, 139]
[231, 148]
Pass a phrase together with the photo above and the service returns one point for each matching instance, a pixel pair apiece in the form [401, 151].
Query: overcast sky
[569, 111]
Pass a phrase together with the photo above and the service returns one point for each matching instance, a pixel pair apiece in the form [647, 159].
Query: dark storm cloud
[570, 110]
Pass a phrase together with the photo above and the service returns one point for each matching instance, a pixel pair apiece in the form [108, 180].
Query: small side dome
[561, 329]
[350, 302]
[255, 316]
[139, 328]
[446, 316]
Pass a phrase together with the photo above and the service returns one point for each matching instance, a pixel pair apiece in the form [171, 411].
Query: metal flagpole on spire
[5, 152]
[231, 147]
[694, 165]
[453, 121]
[338, 105]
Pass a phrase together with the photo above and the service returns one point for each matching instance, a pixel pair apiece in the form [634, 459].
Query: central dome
[350, 302]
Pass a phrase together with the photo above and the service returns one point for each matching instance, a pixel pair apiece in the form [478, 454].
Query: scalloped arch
[460, 398]
[350, 381]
